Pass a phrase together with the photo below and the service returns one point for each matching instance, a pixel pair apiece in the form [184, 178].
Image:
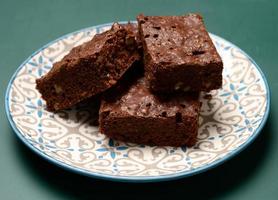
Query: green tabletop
[27, 25]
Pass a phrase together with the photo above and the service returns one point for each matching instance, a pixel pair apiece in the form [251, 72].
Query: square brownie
[179, 54]
[134, 114]
[90, 68]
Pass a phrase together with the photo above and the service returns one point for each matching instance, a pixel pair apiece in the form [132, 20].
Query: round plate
[229, 121]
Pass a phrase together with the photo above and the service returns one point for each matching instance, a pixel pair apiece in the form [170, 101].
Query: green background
[27, 25]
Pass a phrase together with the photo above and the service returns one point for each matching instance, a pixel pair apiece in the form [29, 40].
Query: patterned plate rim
[132, 178]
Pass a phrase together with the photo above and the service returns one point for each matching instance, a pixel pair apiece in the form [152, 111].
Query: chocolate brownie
[133, 27]
[136, 115]
[90, 68]
[179, 54]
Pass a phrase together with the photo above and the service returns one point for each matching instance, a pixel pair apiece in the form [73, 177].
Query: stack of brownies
[148, 77]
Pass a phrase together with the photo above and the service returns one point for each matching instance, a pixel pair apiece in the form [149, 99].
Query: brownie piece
[179, 54]
[133, 27]
[90, 68]
[136, 115]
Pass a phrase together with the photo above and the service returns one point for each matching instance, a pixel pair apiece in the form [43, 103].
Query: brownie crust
[136, 115]
[179, 54]
[90, 68]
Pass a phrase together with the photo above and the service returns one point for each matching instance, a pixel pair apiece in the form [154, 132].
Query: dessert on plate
[148, 77]
[135, 114]
[90, 68]
[179, 54]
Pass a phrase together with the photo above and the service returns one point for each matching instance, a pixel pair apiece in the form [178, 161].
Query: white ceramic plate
[229, 121]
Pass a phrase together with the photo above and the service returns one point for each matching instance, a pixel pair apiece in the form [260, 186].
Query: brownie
[133, 28]
[90, 68]
[134, 114]
[179, 54]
